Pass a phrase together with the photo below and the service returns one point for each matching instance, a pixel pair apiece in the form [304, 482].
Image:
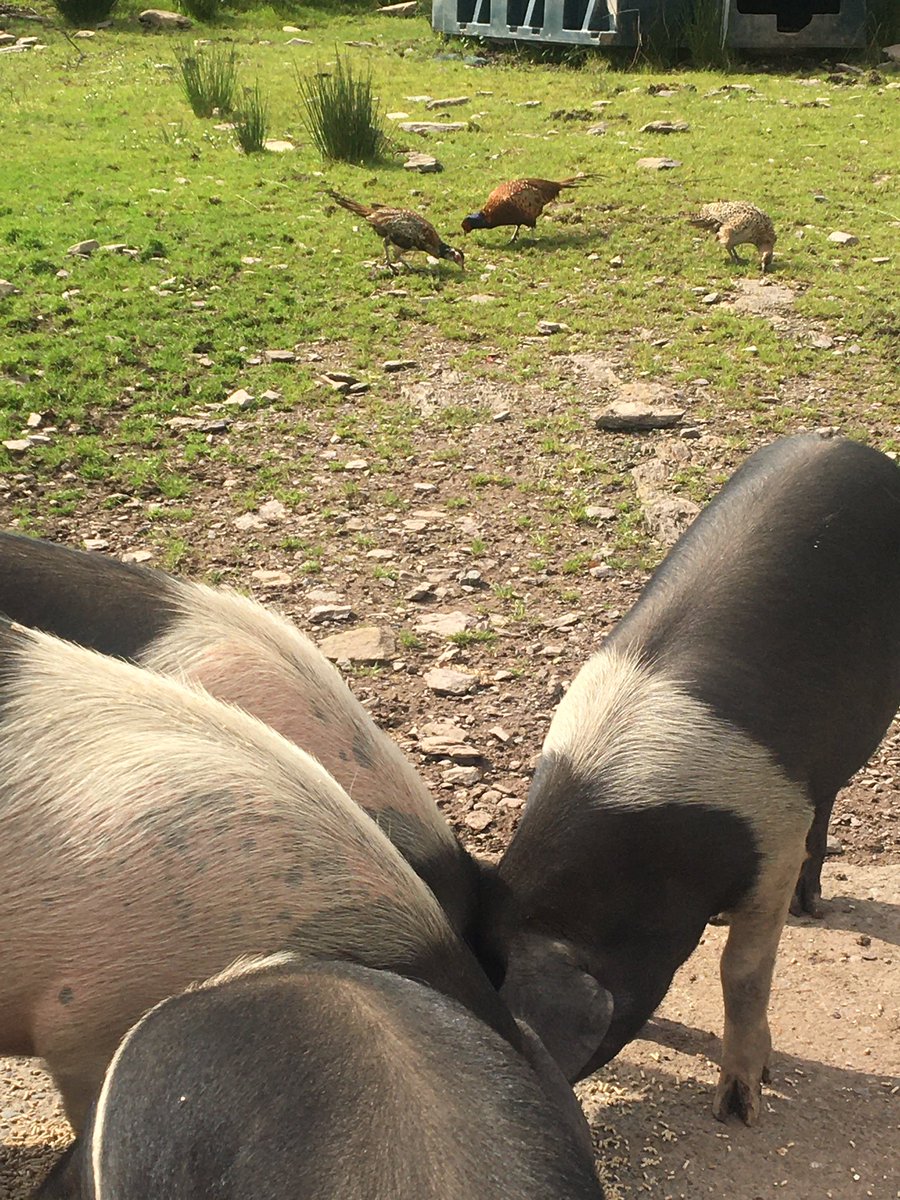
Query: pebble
[271, 578]
[445, 682]
[368, 644]
[85, 249]
[843, 239]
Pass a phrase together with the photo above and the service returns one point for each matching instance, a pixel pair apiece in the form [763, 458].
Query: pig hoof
[734, 1095]
[807, 904]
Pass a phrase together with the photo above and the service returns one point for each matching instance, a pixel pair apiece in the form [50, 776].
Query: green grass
[209, 81]
[105, 147]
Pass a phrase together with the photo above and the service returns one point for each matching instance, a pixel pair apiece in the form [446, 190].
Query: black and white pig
[692, 756]
[248, 656]
[150, 835]
[280, 1079]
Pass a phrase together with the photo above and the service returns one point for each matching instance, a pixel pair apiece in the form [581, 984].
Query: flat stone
[248, 522]
[627, 415]
[8, 289]
[545, 328]
[18, 445]
[278, 146]
[596, 512]
[443, 739]
[762, 296]
[450, 102]
[658, 164]
[425, 164]
[843, 239]
[295, 41]
[445, 624]
[598, 130]
[892, 52]
[425, 127]
[161, 18]
[407, 9]
[95, 543]
[666, 515]
[239, 399]
[85, 248]
[284, 356]
[665, 127]
[270, 395]
[136, 556]
[445, 682]
[465, 776]
[398, 364]
[271, 578]
[273, 511]
[368, 644]
[320, 614]
[381, 555]
[356, 464]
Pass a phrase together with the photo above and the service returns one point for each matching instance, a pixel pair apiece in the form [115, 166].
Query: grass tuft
[84, 12]
[702, 34]
[209, 82]
[202, 10]
[342, 114]
[251, 121]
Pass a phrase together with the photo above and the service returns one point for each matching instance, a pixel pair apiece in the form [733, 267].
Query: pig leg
[808, 895]
[746, 968]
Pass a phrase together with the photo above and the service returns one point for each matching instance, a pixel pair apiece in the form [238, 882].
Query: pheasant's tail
[574, 180]
[361, 210]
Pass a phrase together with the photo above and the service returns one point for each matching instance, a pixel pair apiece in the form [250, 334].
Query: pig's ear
[564, 1005]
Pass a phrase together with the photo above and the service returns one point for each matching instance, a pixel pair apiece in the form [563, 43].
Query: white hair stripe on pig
[623, 720]
[92, 746]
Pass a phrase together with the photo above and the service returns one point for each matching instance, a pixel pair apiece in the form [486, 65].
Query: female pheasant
[519, 202]
[736, 222]
[402, 228]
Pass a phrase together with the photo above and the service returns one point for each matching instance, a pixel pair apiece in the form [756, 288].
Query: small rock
[821, 341]
[443, 739]
[286, 356]
[320, 613]
[617, 261]
[445, 624]
[17, 445]
[270, 395]
[834, 846]
[892, 52]
[478, 819]
[445, 682]
[295, 41]
[356, 464]
[711, 298]
[465, 776]
[665, 127]
[368, 644]
[248, 522]
[271, 578]
[498, 732]
[381, 555]
[398, 364]
[278, 146]
[450, 102]
[424, 127]
[599, 513]
[422, 591]
[658, 164]
[881, 259]
[599, 129]
[530, 104]
[33, 420]
[95, 543]
[137, 556]
[481, 298]
[425, 164]
[547, 327]
[273, 511]
[501, 415]
[85, 249]
[626, 415]
[843, 239]
[161, 18]
[239, 399]
[8, 289]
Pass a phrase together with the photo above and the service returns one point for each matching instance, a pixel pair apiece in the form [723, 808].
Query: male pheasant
[402, 228]
[736, 223]
[519, 202]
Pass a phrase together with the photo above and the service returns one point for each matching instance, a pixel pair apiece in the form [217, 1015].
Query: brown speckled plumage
[519, 202]
[402, 228]
[735, 223]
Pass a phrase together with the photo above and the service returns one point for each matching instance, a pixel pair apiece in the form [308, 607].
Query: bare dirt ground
[499, 551]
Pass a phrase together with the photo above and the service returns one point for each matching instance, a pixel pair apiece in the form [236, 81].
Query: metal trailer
[746, 24]
[794, 24]
[562, 22]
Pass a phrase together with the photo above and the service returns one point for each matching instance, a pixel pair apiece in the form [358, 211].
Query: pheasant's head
[454, 255]
[766, 251]
[474, 221]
